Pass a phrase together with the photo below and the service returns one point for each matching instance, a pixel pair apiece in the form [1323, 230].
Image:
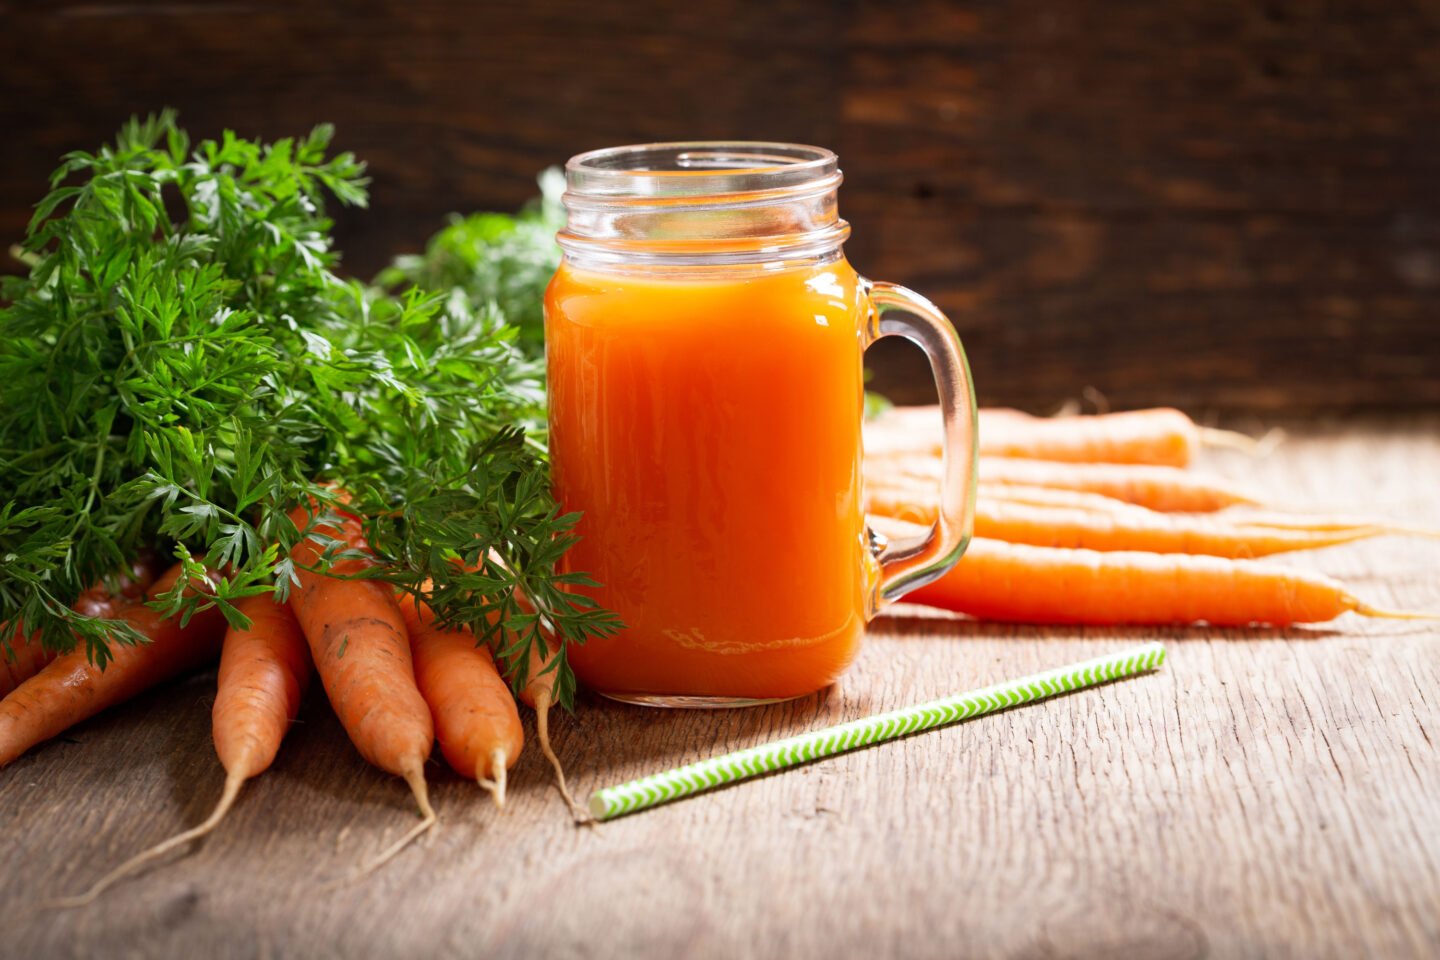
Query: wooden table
[1270, 793]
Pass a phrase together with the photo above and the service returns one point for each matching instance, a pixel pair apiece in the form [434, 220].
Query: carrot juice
[704, 335]
[709, 430]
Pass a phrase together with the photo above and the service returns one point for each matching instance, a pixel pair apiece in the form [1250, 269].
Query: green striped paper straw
[661, 788]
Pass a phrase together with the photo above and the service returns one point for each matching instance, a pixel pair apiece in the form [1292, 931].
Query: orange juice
[706, 421]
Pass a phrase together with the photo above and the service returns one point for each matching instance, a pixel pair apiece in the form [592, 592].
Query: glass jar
[704, 339]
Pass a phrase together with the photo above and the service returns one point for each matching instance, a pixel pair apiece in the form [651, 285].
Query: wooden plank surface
[1221, 205]
[1270, 793]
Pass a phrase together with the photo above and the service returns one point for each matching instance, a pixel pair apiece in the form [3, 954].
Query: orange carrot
[361, 651]
[71, 689]
[1328, 522]
[893, 483]
[474, 712]
[263, 673]
[1160, 436]
[1025, 584]
[1242, 516]
[539, 694]
[102, 600]
[1121, 530]
[1165, 489]
[28, 656]
[1055, 497]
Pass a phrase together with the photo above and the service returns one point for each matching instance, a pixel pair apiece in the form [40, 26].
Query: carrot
[1160, 436]
[1165, 489]
[103, 600]
[1101, 503]
[924, 490]
[539, 694]
[474, 712]
[263, 673]
[1025, 584]
[1055, 497]
[1327, 522]
[28, 656]
[71, 689]
[890, 483]
[1360, 527]
[361, 651]
[1129, 530]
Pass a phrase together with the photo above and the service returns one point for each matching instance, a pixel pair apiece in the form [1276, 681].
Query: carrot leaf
[184, 363]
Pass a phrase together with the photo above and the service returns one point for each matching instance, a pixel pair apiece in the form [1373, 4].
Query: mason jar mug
[704, 341]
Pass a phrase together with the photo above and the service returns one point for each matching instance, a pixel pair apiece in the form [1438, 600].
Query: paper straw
[661, 788]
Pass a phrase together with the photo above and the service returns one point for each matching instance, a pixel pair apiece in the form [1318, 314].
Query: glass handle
[906, 564]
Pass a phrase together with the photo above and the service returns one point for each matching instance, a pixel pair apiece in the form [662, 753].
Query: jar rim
[702, 202]
[697, 168]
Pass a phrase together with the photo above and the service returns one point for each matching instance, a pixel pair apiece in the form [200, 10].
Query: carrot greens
[486, 258]
[182, 363]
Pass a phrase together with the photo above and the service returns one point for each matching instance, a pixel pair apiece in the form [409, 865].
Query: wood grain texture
[1268, 794]
[1203, 204]
[1222, 205]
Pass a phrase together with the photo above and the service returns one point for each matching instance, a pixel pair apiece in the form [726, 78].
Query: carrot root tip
[496, 785]
[1365, 610]
[233, 783]
[415, 777]
[1270, 441]
[1234, 440]
[542, 730]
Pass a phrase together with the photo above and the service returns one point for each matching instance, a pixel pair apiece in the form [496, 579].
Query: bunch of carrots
[1097, 520]
[397, 679]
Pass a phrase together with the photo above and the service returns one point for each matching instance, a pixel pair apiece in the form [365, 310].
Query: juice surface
[708, 426]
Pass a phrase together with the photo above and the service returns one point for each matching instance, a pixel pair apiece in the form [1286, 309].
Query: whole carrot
[361, 651]
[1241, 516]
[538, 692]
[1357, 526]
[28, 656]
[539, 695]
[1159, 436]
[264, 669]
[71, 689]
[1025, 584]
[474, 712]
[1150, 532]
[1166, 489]
[1056, 497]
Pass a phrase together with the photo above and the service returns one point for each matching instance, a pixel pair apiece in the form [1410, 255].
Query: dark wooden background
[1222, 205]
